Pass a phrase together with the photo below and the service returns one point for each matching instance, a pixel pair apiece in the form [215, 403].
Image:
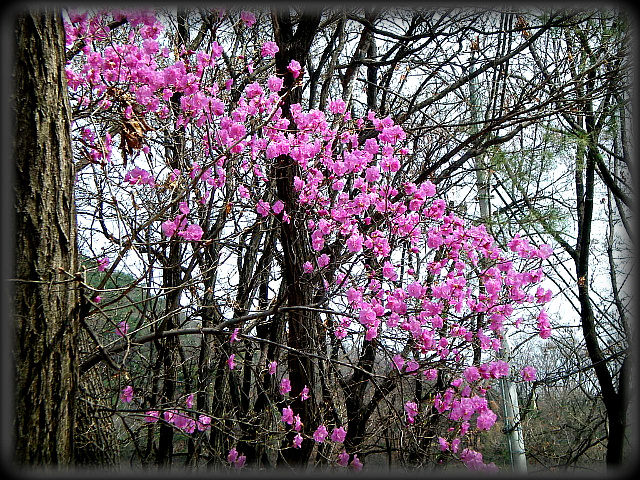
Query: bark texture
[295, 45]
[46, 300]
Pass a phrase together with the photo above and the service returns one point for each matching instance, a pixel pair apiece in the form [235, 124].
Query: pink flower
[263, 208]
[338, 434]
[294, 67]
[169, 415]
[240, 461]
[274, 83]
[204, 422]
[272, 367]
[323, 260]
[287, 415]
[343, 458]
[230, 361]
[297, 441]
[486, 419]
[356, 463]
[269, 49]
[234, 336]
[307, 267]
[411, 366]
[430, 374]
[444, 445]
[151, 416]
[232, 456]
[411, 408]
[184, 207]
[97, 299]
[416, 290]
[277, 207]
[304, 394]
[320, 434]
[285, 386]
[398, 361]
[189, 401]
[138, 176]
[127, 394]
[253, 90]
[337, 106]
[545, 251]
[372, 174]
[122, 328]
[543, 324]
[248, 18]
[235, 459]
[192, 233]
[102, 264]
[528, 374]
[389, 271]
[243, 191]
[354, 242]
[471, 374]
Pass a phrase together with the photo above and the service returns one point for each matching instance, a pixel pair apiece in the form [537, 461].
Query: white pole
[512, 425]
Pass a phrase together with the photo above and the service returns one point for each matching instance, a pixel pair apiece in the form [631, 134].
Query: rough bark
[46, 299]
[295, 247]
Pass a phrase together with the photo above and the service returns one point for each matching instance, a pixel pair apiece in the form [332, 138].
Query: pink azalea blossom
[139, 176]
[472, 374]
[285, 386]
[486, 419]
[248, 18]
[297, 423]
[294, 67]
[338, 434]
[411, 408]
[320, 434]
[122, 328]
[103, 263]
[232, 456]
[304, 394]
[337, 106]
[297, 441]
[230, 361]
[287, 415]
[243, 191]
[151, 416]
[274, 83]
[204, 422]
[356, 463]
[528, 374]
[277, 207]
[323, 260]
[263, 208]
[192, 233]
[269, 49]
[343, 458]
[127, 394]
[272, 367]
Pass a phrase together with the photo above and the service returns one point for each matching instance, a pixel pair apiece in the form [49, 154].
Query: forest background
[304, 238]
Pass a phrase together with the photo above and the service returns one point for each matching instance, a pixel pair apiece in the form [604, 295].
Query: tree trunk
[46, 301]
[295, 245]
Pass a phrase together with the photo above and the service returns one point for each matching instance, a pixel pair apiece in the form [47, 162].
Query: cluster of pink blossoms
[181, 420]
[372, 220]
[338, 434]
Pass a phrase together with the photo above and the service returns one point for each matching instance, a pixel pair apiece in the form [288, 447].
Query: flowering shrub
[363, 221]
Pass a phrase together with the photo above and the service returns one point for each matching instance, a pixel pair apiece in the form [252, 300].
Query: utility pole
[511, 410]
